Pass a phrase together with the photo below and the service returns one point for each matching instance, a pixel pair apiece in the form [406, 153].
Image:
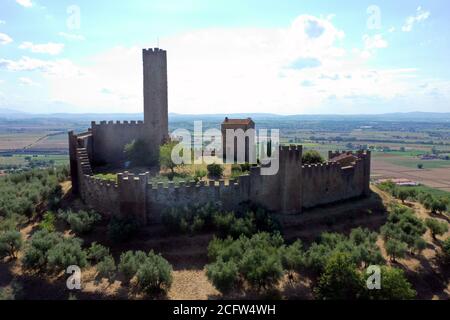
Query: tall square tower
[155, 96]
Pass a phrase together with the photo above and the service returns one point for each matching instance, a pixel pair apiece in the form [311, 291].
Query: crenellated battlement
[108, 124]
[148, 51]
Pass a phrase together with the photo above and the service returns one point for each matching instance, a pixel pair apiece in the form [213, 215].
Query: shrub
[214, 170]
[165, 157]
[66, 253]
[360, 246]
[10, 243]
[261, 268]
[396, 249]
[36, 254]
[394, 286]
[48, 222]
[97, 252]
[122, 229]
[404, 226]
[199, 175]
[436, 227]
[106, 267]
[340, 279]
[130, 262]
[13, 292]
[293, 257]
[81, 222]
[312, 157]
[137, 152]
[446, 251]
[223, 275]
[258, 258]
[154, 275]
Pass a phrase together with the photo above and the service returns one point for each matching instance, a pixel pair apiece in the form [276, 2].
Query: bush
[199, 175]
[66, 253]
[214, 170]
[446, 251]
[360, 246]
[130, 262]
[436, 227]
[396, 249]
[165, 157]
[312, 157]
[48, 222]
[261, 268]
[122, 229]
[97, 252]
[340, 279]
[293, 257]
[36, 254]
[404, 226]
[137, 152]
[10, 243]
[223, 275]
[394, 286]
[81, 222]
[258, 259]
[107, 267]
[154, 275]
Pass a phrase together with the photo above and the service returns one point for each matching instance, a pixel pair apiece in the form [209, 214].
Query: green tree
[97, 252]
[36, 253]
[396, 249]
[402, 194]
[154, 275]
[130, 262]
[10, 243]
[66, 253]
[394, 286]
[340, 279]
[81, 222]
[436, 227]
[215, 170]
[293, 258]
[446, 251]
[137, 152]
[312, 157]
[106, 268]
[223, 275]
[165, 158]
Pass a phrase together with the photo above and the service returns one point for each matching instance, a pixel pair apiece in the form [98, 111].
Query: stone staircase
[84, 161]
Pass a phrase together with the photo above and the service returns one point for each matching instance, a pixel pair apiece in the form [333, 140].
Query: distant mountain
[398, 117]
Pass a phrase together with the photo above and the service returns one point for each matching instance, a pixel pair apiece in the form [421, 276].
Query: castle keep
[295, 187]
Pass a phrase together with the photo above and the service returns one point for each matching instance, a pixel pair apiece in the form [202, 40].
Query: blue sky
[287, 57]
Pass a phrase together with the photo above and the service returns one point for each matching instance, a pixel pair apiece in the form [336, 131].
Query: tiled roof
[343, 156]
[238, 121]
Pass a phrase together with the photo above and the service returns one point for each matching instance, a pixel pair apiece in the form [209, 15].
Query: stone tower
[155, 96]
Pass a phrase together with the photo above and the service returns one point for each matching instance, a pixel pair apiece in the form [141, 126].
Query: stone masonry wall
[109, 140]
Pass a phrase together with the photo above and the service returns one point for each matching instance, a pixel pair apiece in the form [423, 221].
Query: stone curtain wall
[109, 140]
[294, 187]
[328, 183]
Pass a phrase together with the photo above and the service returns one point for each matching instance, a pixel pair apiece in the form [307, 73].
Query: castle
[295, 187]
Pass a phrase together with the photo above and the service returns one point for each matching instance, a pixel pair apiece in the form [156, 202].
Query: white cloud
[62, 68]
[375, 42]
[421, 15]
[48, 48]
[25, 3]
[243, 70]
[27, 82]
[2, 22]
[5, 39]
[72, 36]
